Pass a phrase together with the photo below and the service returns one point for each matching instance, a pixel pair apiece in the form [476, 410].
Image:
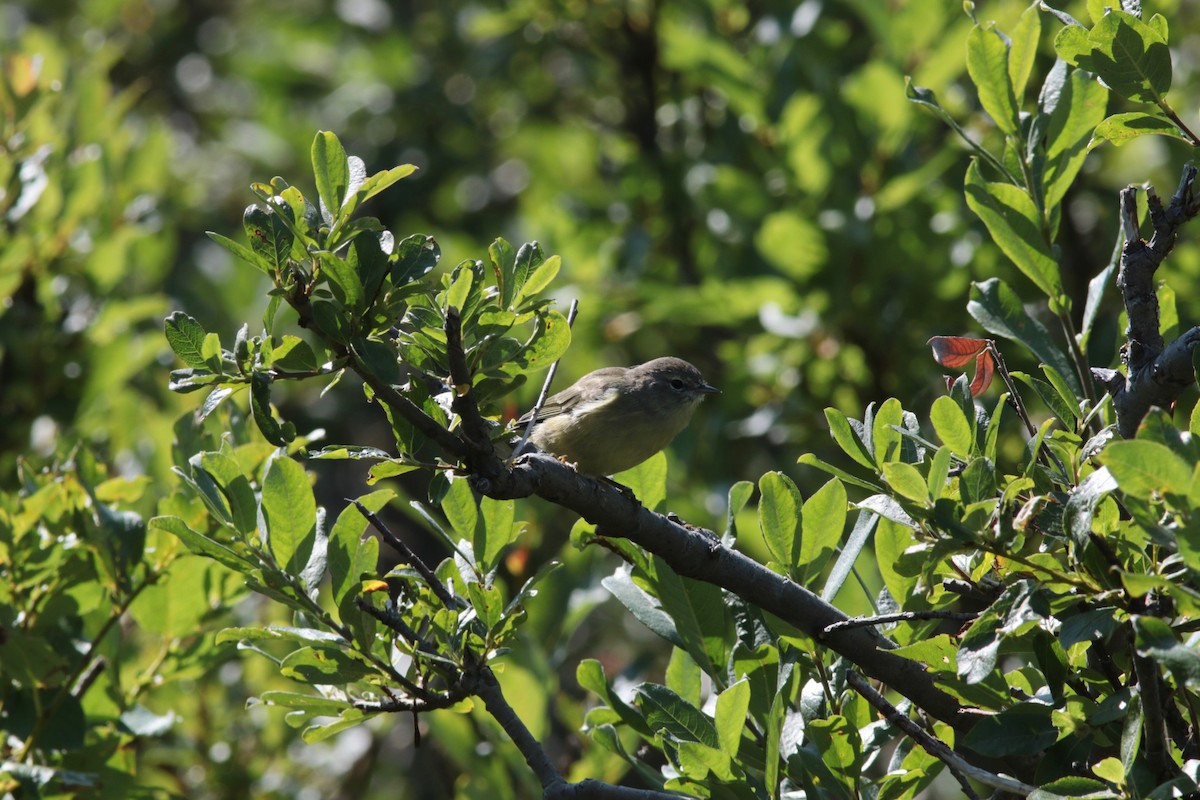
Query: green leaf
[822, 521]
[809, 460]
[698, 612]
[309, 702]
[461, 509]
[342, 276]
[186, 338]
[952, 426]
[987, 64]
[499, 530]
[739, 495]
[549, 341]
[1143, 469]
[539, 279]
[351, 555]
[642, 605]
[269, 235]
[732, 705]
[460, 287]
[278, 633]
[907, 482]
[697, 762]
[1016, 226]
[289, 512]
[1023, 52]
[590, 675]
[227, 473]
[504, 259]
[887, 442]
[416, 255]
[857, 540]
[260, 406]
[1021, 730]
[331, 169]
[779, 517]
[374, 185]
[1067, 400]
[241, 251]
[379, 358]
[667, 711]
[1079, 108]
[294, 355]
[998, 309]
[201, 545]
[927, 99]
[847, 439]
[1129, 55]
[1156, 640]
[350, 717]
[323, 666]
[1120, 129]
[647, 481]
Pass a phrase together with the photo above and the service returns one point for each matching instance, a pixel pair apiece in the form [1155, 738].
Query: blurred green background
[742, 185]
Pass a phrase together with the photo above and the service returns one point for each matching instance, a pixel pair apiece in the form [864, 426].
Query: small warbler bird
[617, 417]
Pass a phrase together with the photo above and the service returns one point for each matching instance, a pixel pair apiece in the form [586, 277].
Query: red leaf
[985, 369]
[956, 351]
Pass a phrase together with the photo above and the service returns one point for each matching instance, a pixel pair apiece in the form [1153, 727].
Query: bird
[614, 418]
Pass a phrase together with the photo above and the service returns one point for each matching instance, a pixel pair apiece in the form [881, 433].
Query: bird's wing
[563, 402]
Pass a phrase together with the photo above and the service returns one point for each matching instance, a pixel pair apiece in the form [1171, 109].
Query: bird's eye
[676, 384]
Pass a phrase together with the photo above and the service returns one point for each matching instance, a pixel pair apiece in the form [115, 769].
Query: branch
[1156, 372]
[1158, 748]
[698, 554]
[484, 685]
[384, 391]
[960, 767]
[475, 428]
[406, 552]
[903, 616]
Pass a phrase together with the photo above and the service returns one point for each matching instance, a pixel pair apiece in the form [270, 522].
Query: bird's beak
[705, 388]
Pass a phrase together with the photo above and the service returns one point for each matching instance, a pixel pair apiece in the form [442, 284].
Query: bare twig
[958, 766]
[409, 556]
[541, 400]
[484, 685]
[904, 616]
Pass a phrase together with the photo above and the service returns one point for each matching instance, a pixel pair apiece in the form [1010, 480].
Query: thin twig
[905, 616]
[406, 552]
[541, 400]
[483, 684]
[397, 625]
[958, 766]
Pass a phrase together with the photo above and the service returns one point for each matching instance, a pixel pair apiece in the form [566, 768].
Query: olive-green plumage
[617, 417]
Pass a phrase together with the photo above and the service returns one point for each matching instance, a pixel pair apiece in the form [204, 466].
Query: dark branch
[409, 556]
[385, 392]
[476, 430]
[1156, 372]
[698, 554]
[958, 766]
[484, 685]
